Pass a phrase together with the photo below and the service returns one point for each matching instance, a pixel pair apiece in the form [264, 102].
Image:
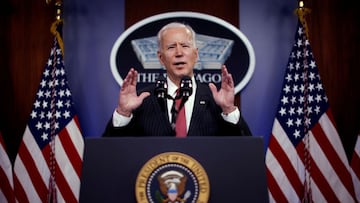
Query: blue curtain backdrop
[92, 27]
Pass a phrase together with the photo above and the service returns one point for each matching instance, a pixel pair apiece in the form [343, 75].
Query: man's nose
[179, 50]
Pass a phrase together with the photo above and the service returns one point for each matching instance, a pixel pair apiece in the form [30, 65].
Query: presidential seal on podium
[172, 177]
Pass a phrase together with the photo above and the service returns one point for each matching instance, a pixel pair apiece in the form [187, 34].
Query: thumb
[213, 89]
[143, 95]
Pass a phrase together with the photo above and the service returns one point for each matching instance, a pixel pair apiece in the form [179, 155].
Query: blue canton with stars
[303, 98]
[53, 106]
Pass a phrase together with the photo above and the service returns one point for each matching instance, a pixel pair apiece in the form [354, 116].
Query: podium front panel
[234, 165]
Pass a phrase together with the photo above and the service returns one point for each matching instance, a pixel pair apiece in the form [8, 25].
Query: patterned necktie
[178, 117]
[180, 126]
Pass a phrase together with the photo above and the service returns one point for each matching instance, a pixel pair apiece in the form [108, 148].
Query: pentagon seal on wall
[218, 42]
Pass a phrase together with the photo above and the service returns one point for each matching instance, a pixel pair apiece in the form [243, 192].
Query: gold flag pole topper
[58, 20]
[301, 12]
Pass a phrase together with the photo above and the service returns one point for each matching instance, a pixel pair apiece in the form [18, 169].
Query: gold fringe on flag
[57, 22]
[55, 32]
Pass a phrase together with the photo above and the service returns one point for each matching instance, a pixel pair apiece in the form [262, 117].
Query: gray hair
[176, 25]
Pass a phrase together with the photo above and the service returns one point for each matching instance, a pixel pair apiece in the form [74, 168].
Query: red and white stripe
[355, 168]
[6, 175]
[330, 178]
[31, 168]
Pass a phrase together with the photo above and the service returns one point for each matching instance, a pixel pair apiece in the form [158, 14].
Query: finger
[127, 78]
[224, 75]
[227, 77]
[134, 78]
[130, 76]
[224, 71]
[230, 80]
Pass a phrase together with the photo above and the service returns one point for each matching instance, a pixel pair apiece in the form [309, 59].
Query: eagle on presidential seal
[172, 186]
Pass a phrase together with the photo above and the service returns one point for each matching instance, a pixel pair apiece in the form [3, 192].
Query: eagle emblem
[172, 186]
[172, 177]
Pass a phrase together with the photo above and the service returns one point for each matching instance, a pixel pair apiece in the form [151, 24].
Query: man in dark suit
[208, 111]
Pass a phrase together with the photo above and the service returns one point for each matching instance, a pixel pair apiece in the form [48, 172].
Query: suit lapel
[202, 98]
[162, 117]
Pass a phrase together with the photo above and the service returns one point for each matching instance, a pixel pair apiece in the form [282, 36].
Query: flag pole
[301, 12]
[54, 29]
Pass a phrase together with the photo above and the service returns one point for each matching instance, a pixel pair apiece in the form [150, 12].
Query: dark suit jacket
[151, 118]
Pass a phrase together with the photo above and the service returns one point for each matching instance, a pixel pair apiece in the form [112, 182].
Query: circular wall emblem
[218, 42]
[172, 177]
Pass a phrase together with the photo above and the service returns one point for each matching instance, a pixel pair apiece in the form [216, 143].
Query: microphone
[186, 87]
[160, 88]
[160, 91]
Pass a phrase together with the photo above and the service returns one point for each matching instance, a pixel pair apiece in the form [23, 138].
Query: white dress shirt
[189, 104]
[233, 117]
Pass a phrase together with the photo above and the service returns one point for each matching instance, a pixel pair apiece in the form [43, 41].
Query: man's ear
[197, 54]
[159, 55]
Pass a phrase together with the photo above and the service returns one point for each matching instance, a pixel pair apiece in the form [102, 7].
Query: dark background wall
[25, 44]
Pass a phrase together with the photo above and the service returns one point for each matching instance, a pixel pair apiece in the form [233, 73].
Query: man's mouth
[179, 63]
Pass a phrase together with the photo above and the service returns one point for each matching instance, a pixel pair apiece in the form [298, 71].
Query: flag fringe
[56, 33]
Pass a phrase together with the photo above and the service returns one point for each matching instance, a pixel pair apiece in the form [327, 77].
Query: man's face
[177, 53]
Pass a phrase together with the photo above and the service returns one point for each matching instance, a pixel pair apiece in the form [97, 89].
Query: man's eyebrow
[181, 43]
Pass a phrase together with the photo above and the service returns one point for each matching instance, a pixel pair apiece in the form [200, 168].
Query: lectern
[234, 166]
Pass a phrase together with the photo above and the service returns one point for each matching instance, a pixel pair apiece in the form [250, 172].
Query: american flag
[6, 177]
[305, 158]
[49, 161]
[355, 167]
